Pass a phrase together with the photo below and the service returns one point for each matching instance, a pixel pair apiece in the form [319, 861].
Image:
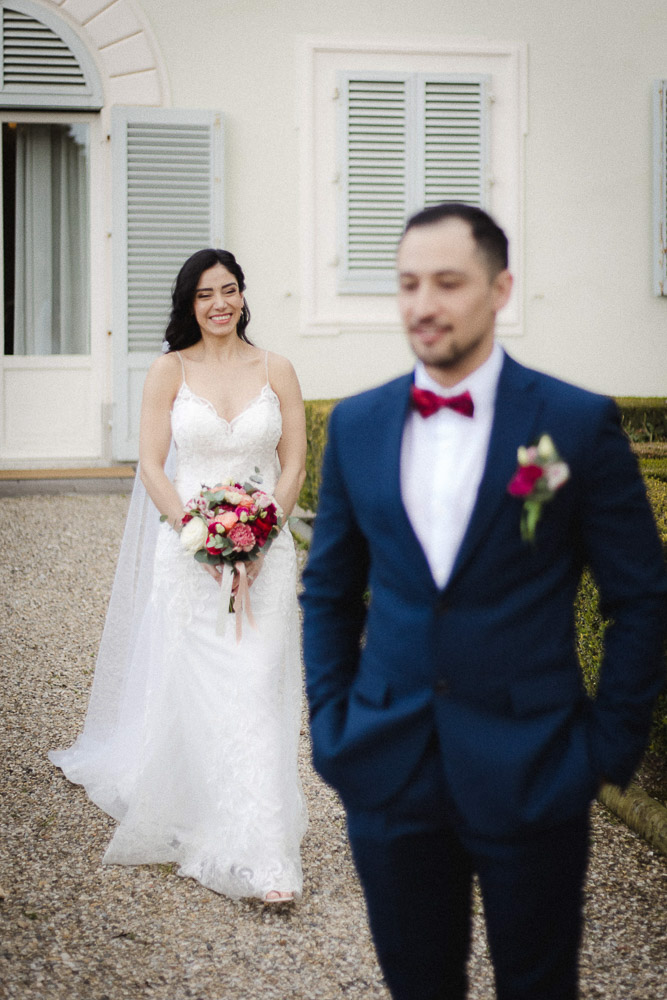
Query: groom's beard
[449, 351]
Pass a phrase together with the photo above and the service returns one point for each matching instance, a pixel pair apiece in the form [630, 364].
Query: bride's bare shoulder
[165, 374]
[167, 365]
[280, 368]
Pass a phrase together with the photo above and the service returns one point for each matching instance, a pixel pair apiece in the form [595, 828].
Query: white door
[52, 363]
[53, 355]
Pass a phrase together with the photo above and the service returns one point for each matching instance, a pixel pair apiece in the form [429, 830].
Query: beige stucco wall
[590, 315]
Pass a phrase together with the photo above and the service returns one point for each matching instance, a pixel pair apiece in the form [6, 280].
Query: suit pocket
[546, 692]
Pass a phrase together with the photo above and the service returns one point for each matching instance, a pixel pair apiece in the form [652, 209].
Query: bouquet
[229, 525]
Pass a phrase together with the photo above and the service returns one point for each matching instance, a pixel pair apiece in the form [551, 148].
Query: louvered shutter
[375, 133]
[44, 64]
[660, 187]
[168, 197]
[406, 140]
[454, 140]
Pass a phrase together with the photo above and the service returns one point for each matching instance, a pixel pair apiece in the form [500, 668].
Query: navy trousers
[416, 862]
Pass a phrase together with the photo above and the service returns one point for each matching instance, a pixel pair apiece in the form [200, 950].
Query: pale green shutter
[167, 203]
[375, 136]
[405, 141]
[455, 146]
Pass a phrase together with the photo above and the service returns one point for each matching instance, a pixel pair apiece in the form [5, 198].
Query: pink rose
[262, 499]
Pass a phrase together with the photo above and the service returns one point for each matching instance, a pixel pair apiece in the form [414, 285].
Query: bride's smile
[218, 301]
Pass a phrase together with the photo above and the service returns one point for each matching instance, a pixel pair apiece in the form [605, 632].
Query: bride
[190, 739]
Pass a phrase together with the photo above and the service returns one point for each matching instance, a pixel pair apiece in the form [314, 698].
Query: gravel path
[72, 928]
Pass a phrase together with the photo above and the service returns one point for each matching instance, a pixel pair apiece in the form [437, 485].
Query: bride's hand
[252, 570]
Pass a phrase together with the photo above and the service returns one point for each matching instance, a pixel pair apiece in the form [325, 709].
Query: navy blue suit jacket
[489, 661]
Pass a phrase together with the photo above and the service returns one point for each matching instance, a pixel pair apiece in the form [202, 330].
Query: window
[385, 129]
[45, 211]
[407, 141]
[43, 63]
[45, 223]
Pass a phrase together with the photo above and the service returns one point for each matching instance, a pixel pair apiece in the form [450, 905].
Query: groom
[446, 697]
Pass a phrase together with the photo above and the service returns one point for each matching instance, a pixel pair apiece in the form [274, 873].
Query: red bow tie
[428, 402]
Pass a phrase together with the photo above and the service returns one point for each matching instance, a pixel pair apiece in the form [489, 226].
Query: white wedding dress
[194, 747]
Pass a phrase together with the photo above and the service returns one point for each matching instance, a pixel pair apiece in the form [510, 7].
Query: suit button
[442, 686]
[442, 606]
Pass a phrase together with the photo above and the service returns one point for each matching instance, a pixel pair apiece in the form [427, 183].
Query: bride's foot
[276, 896]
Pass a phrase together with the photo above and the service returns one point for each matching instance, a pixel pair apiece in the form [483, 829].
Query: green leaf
[203, 556]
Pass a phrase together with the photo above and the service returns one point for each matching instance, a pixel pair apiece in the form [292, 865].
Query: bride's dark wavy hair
[183, 330]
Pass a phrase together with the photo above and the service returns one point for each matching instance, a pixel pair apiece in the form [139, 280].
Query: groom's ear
[502, 289]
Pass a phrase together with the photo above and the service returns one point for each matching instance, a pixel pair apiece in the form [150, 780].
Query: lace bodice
[210, 449]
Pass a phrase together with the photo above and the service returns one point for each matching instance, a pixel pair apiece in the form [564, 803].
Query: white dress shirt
[442, 462]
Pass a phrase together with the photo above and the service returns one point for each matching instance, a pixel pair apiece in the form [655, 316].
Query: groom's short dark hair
[489, 237]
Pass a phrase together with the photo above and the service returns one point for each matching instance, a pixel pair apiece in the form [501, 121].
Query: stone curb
[643, 815]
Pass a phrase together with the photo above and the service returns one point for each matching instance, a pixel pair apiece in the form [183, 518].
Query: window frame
[378, 281]
[325, 311]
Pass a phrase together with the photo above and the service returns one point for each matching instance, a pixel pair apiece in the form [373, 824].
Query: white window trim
[327, 313]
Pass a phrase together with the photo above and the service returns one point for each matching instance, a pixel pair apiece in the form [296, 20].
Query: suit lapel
[517, 411]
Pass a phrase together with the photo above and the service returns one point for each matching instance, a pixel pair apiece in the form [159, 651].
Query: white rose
[193, 535]
[234, 496]
[546, 449]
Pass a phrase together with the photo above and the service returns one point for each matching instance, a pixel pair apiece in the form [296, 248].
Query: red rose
[524, 480]
[261, 529]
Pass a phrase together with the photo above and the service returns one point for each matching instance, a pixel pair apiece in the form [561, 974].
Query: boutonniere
[540, 475]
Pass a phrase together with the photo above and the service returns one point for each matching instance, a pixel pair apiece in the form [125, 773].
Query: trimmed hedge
[317, 419]
[654, 467]
[644, 419]
[590, 624]
[637, 416]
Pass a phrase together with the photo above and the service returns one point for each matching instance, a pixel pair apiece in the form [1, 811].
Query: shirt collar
[481, 384]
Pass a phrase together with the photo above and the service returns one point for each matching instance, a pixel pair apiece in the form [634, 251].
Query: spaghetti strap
[182, 366]
[266, 365]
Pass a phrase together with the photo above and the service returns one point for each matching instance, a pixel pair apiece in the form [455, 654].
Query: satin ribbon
[241, 599]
